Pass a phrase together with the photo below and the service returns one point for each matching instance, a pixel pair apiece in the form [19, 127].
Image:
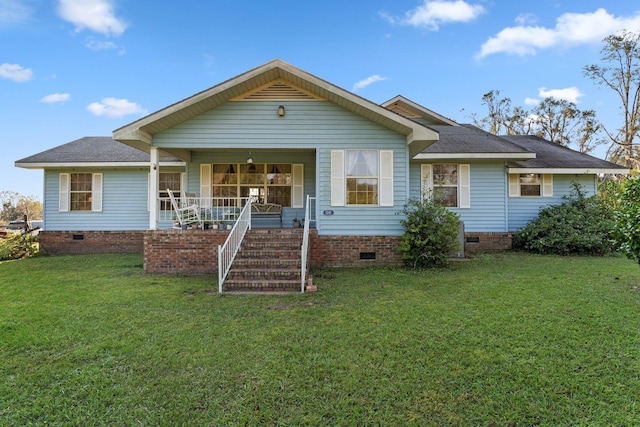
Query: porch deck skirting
[194, 252]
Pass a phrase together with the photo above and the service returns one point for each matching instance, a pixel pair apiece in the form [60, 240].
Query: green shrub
[627, 228]
[430, 235]
[18, 245]
[579, 226]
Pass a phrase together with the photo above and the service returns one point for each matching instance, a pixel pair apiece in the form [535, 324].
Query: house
[277, 134]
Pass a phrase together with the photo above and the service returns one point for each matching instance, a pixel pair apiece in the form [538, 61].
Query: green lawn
[501, 340]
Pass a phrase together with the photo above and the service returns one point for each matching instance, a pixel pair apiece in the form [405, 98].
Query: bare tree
[620, 72]
[562, 122]
[556, 120]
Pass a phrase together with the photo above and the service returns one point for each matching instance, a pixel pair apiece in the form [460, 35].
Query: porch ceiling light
[281, 111]
[249, 159]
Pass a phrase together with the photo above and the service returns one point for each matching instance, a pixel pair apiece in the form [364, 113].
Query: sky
[75, 68]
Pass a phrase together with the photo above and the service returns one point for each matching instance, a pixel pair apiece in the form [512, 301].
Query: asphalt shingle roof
[551, 155]
[91, 149]
[470, 139]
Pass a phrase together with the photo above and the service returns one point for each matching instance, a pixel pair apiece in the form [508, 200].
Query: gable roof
[91, 151]
[414, 111]
[554, 158]
[139, 133]
[470, 142]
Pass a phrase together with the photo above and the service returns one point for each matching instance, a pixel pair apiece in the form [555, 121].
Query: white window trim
[464, 183]
[384, 177]
[64, 192]
[546, 185]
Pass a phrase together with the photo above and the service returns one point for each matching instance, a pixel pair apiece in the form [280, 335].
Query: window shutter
[183, 183]
[63, 193]
[426, 180]
[547, 185]
[96, 193]
[386, 178]
[464, 186]
[514, 185]
[297, 196]
[205, 185]
[337, 178]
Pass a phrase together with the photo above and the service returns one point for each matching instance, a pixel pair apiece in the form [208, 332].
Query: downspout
[154, 174]
[506, 199]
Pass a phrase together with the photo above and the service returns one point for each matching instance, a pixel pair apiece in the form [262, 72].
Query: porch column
[154, 174]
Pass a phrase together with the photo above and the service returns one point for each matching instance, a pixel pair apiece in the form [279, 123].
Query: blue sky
[74, 68]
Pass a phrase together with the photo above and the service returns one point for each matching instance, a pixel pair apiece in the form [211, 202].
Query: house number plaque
[327, 212]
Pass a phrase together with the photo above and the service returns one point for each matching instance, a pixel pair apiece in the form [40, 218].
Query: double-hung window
[449, 183]
[530, 185]
[361, 177]
[80, 192]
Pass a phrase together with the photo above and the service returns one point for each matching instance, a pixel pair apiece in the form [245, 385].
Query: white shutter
[63, 193]
[547, 185]
[337, 178]
[514, 185]
[426, 181]
[386, 178]
[96, 192]
[183, 183]
[297, 196]
[464, 186]
[206, 187]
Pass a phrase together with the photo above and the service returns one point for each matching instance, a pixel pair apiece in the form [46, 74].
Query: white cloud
[526, 19]
[366, 82]
[14, 12]
[55, 98]
[531, 101]
[571, 29]
[571, 94]
[433, 13]
[15, 72]
[113, 107]
[100, 45]
[94, 15]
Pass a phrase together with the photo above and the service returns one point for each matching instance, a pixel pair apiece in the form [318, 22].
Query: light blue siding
[487, 190]
[524, 209]
[316, 126]
[124, 202]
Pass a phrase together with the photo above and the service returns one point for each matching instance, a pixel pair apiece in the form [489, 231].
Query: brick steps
[268, 261]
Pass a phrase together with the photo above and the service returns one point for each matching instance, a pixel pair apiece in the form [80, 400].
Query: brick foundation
[90, 242]
[190, 252]
[486, 242]
[349, 251]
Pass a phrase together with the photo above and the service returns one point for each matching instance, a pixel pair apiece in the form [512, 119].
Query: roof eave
[475, 156]
[570, 171]
[66, 165]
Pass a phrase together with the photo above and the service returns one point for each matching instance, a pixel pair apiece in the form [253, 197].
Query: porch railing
[213, 210]
[305, 242]
[227, 252]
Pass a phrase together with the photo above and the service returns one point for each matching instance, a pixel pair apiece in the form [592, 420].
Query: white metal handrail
[227, 252]
[305, 242]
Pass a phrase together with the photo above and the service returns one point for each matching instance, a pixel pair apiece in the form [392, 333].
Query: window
[80, 192]
[362, 178]
[445, 184]
[172, 181]
[530, 185]
[450, 183]
[263, 182]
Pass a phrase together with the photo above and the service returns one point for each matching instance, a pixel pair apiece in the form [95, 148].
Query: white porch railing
[305, 242]
[213, 210]
[227, 252]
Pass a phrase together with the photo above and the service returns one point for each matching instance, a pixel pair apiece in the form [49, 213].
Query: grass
[502, 340]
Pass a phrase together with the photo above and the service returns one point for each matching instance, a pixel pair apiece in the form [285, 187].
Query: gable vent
[278, 90]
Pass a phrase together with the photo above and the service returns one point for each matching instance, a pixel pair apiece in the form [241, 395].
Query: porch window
[172, 181]
[80, 192]
[263, 182]
[530, 185]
